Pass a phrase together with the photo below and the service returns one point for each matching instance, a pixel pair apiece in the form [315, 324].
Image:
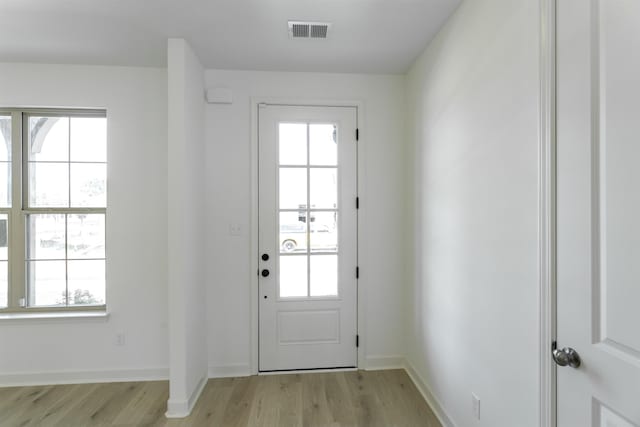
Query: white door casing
[307, 223]
[598, 211]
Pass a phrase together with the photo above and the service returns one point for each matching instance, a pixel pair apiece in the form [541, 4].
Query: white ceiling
[368, 36]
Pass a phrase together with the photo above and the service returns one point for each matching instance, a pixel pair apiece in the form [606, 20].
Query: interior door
[307, 237]
[598, 202]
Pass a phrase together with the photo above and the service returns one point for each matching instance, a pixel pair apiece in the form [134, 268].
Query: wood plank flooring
[335, 399]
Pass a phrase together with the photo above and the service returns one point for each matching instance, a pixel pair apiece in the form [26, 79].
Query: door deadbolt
[265, 273]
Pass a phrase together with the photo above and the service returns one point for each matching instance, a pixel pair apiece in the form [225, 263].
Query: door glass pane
[49, 139]
[323, 147]
[324, 232]
[293, 188]
[293, 232]
[88, 139]
[46, 236]
[324, 188]
[5, 161]
[293, 276]
[324, 275]
[48, 184]
[292, 143]
[86, 282]
[47, 282]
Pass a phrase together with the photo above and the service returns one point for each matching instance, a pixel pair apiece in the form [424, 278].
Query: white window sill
[59, 315]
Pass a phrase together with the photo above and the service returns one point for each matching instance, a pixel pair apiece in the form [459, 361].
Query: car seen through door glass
[323, 232]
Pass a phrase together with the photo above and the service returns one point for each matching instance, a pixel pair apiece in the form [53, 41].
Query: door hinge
[357, 340]
[357, 134]
[554, 345]
[357, 202]
[357, 272]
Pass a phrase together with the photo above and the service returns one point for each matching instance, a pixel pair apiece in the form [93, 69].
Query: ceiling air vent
[308, 30]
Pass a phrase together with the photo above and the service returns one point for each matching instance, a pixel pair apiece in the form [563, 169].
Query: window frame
[18, 288]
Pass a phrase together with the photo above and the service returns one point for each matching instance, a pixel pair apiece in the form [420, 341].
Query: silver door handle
[566, 356]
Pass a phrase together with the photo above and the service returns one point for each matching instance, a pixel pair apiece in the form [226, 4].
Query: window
[53, 200]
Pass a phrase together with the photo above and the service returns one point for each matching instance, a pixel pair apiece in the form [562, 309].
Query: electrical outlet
[475, 401]
[120, 339]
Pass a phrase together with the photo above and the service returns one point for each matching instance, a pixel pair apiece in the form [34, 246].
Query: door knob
[566, 356]
[265, 273]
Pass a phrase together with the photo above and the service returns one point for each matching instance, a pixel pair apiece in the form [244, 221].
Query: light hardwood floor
[374, 398]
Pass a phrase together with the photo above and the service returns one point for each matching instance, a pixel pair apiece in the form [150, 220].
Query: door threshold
[308, 371]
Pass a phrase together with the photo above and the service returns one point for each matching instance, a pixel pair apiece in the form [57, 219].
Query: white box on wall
[219, 95]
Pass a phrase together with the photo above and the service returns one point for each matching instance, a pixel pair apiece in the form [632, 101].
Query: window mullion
[17, 285]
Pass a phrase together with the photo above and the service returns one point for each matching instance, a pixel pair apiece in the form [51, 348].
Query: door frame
[361, 299]
[547, 203]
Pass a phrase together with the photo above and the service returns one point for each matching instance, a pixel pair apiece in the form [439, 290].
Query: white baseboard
[379, 363]
[82, 377]
[424, 389]
[227, 371]
[180, 408]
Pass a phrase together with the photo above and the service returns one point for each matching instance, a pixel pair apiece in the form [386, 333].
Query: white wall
[228, 192]
[473, 301]
[136, 101]
[186, 190]
[467, 205]
[85, 350]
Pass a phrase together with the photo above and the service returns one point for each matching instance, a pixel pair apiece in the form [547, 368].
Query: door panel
[308, 229]
[598, 211]
[619, 148]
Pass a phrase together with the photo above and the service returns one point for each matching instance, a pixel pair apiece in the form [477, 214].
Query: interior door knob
[265, 273]
[567, 356]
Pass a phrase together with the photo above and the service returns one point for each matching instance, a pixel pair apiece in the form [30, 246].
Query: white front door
[598, 207]
[307, 237]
